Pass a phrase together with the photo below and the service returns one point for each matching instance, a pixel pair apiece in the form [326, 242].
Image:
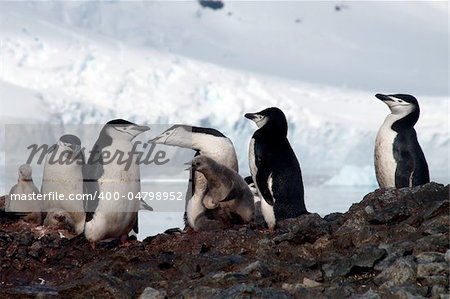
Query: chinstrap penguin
[207, 142]
[63, 174]
[105, 175]
[227, 194]
[274, 167]
[399, 159]
[31, 210]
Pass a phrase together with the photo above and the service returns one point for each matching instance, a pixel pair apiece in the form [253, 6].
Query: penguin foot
[124, 241]
[92, 245]
[267, 231]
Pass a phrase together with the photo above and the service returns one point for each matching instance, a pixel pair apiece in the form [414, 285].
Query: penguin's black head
[70, 139]
[398, 99]
[201, 163]
[271, 117]
[399, 103]
[182, 135]
[70, 143]
[177, 135]
[119, 121]
[404, 107]
[123, 129]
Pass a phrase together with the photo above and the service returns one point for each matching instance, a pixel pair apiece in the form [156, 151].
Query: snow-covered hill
[371, 45]
[86, 63]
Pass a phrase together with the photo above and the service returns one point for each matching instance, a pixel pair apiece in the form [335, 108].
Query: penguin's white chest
[26, 188]
[121, 175]
[65, 179]
[119, 185]
[385, 164]
[252, 161]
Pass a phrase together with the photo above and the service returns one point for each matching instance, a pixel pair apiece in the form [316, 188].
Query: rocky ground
[393, 244]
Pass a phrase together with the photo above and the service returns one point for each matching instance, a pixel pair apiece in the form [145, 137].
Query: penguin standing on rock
[112, 172]
[63, 174]
[207, 142]
[399, 159]
[274, 168]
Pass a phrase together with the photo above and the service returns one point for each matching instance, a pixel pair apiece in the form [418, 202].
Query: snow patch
[351, 175]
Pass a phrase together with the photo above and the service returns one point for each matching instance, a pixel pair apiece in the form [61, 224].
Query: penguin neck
[121, 144]
[402, 122]
[273, 132]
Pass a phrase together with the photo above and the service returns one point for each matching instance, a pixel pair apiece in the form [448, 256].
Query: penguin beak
[250, 116]
[153, 140]
[74, 147]
[384, 98]
[142, 128]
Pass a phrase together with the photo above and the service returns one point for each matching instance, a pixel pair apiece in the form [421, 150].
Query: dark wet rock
[332, 217]
[98, 283]
[305, 229]
[337, 268]
[339, 291]
[430, 269]
[36, 250]
[437, 290]
[250, 291]
[409, 291]
[25, 239]
[447, 256]
[370, 294]
[298, 290]
[200, 292]
[151, 293]
[257, 269]
[436, 225]
[402, 271]
[362, 261]
[430, 257]
[367, 257]
[393, 244]
[387, 261]
[434, 242]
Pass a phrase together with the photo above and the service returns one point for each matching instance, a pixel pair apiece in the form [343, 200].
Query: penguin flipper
[262, 178]
[144, 205]
[91, 188]
[405, 167]
[92, 171]
[136, 225]
[226, 184]
[233, 194]
[263, 173]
